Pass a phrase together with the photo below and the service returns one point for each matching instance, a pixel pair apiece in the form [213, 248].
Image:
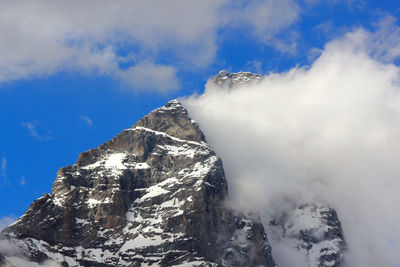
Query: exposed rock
[315, 230]
[229, 80]
[154, 194]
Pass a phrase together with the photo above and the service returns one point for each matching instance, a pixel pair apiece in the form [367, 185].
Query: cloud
[268, 21]
[23, 180]
[13, 253]
[150, 77]
[42, 38]
[33, 128]
[5, 221]
[326, 132]
[3, 167]
[20, 262]
[86, 119]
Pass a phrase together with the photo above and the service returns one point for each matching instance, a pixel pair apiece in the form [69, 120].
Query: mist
[328, 132]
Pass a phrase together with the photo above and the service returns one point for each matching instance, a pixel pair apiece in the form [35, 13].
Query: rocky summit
[228, 80]
[153, 195]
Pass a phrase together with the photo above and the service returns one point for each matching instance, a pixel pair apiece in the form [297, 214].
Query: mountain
[155, 195]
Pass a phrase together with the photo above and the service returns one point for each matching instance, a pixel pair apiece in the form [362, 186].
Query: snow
[94, 202]
[82, 221]
[183, 150]
[139, 128]
[325, 247]
[307, 218]
[174, 104]
[142, 165]
[141, 241]
[152, 191]
[115, 161]
[58, 201]
[169, 181]
[112, 162]
[208, 184]
[194, 263]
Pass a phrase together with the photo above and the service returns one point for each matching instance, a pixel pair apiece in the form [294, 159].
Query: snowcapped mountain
[155, 196]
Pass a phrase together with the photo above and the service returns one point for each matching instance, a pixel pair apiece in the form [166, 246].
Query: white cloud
[45, 37]
[20, 262]
[14, 254]
[5, 221]
[328, 132]
[150, 77]
[33, 129]
[3, 167]
[266, 20]
[266, 17]
[23, 180]
[87, 120]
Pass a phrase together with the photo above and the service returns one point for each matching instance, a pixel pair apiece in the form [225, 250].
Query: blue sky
[73, 76]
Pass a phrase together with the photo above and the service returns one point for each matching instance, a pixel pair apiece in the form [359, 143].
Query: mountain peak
[153, 195]
[174, 120]
[229, 80]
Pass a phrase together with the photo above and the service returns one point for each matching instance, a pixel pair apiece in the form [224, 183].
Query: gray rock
[228, 80]
[314, 229]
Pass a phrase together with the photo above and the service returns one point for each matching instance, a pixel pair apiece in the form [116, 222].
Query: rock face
[229, 80]
[315, 230]
[154, 194]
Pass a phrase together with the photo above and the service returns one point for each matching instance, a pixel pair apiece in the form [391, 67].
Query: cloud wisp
[5, 221]
[86, 119]
[328, 132]
[32, 127]
[3, 167]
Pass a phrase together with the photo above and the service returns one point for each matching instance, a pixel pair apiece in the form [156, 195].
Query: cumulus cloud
[150, 77]
[266, 20]
[327, 132]
[45, 37]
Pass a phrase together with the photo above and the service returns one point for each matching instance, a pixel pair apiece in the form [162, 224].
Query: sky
[73, 75]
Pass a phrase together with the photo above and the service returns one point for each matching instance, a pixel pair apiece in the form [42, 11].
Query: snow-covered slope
[153, 195]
